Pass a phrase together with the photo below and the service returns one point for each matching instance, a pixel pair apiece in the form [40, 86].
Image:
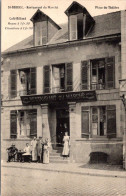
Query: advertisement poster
[60, 62]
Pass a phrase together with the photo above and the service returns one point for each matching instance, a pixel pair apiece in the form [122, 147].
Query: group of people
[38, 151]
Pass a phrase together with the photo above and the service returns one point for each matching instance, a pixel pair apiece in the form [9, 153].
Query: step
[56, 157]
[53, 152]
[59, 161]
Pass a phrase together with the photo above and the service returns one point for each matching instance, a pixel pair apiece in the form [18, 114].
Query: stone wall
[80, 150]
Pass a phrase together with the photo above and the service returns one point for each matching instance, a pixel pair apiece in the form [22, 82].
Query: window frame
[18, 121]
[105, 85]
[98, 114]
[97, 75]
[28, 73]
[40, 26]
[107, 134]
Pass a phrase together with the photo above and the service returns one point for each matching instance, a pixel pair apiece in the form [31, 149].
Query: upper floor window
[98, 74]
[27, 79]
[62, 78]
[76, 26]
[44, 28]
[79, 21]
[40, 33]
[58, 75]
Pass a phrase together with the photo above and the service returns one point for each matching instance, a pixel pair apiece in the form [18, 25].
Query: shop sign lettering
[80, 96]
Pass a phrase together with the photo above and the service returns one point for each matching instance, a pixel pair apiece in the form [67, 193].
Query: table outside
[19, 156]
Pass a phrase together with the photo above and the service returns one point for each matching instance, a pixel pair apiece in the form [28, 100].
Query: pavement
[72, 168]
[37, 182]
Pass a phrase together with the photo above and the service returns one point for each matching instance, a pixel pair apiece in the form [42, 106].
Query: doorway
[62, 116]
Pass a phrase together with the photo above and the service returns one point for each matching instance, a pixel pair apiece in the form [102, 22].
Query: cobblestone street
[27, 182]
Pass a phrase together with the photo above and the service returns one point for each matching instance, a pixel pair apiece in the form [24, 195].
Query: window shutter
[46, 77]
[38, 33]
[110, 72]
[73, 27]
[33, 81]
[69, 77]
[111, 121]
[44, 32]
[13, 124]
[13, 83]
[85, 122]
[84, 75]
[33, 123]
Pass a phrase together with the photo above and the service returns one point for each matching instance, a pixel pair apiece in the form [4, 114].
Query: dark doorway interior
[62, 116]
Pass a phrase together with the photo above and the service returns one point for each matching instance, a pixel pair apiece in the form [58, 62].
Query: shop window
[28, 123]
[99, 121]
[27, 81]
[102, 73]
[22, 123]
[27, 120]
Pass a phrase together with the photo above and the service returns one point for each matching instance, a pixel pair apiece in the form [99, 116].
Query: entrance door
[62, 125]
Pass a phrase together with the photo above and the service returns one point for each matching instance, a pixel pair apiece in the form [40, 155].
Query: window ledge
[112, 90]
[99, 139]
[17, 139]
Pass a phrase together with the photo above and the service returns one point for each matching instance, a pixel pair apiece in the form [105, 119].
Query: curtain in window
[56, 79]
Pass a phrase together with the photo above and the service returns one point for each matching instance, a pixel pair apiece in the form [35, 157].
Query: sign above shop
[80, 96]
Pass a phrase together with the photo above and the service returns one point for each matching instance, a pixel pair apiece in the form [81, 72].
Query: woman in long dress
[66, 148]
[46, 151]
[34, 149]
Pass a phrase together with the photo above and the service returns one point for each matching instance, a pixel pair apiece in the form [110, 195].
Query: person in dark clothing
[12, 151]
[40, 149]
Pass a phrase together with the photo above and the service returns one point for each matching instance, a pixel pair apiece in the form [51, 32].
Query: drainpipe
[123, 77]
[124, 133]
[124, 143]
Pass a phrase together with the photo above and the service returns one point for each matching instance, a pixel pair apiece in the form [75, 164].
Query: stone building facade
[66, 77]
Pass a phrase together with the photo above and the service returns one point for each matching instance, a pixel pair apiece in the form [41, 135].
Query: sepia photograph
[63, 98]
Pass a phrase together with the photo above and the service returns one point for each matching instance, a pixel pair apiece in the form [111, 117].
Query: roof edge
[89, 39]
